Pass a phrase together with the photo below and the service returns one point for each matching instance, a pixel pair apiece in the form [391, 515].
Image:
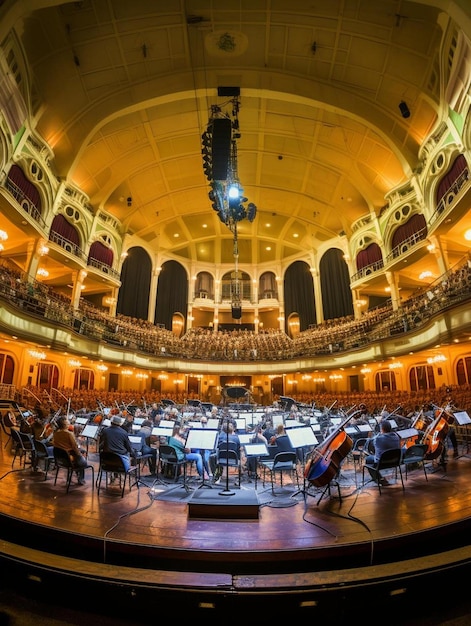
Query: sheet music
[201, 439]
[245, 438]
[351, 430]
[292, 423]
[300, 437]
[256, 449]
[407, 432]
[241, 423]
[90, 431]
[159, 431]
[81, 420]
[166, 424]
[462, 418]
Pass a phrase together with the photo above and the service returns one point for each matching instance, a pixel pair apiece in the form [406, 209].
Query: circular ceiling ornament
[224, 42]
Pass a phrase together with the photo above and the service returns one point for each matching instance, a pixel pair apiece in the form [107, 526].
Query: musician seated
[387, 439]
[178, 442]
[145, 433]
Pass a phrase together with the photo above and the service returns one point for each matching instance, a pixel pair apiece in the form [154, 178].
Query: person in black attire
[115, 439]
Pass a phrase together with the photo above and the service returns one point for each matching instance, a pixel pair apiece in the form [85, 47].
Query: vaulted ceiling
[122, 91]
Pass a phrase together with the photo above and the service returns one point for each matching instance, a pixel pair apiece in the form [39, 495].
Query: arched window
[7, 369]
[84, 378]
[267, 286]
[421, 377]
[204, 286]
[48, 376]
[385, 380]
[463, 371]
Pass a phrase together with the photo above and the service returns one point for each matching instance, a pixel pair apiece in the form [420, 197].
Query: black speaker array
[221, 147]
[236, 312]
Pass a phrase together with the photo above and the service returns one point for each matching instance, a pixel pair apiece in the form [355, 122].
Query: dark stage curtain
[337, 298]
[299, 295]
[133, 297]
[172, 294]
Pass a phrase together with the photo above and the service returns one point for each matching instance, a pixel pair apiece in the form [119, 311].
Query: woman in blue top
[178, 443]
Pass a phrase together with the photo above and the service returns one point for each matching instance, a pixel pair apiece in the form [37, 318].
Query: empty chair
[8, 424]
[359, 452]
[62, 462]
[23, 448]
[227, 458]
[112, 466]
[390, 459]
[415, 455]
[43, 456]
[283, 463]
[169, 461]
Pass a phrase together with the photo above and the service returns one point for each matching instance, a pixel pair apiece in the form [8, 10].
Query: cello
[324, 462]
[435, 434]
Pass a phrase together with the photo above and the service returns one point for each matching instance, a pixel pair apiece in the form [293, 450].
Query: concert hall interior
[238, 229]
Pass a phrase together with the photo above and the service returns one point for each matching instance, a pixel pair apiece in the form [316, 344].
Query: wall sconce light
[101, 367]
[74, 363]
[43, 250]
[37, 354]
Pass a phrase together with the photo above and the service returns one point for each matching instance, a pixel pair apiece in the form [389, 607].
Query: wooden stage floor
[302, 548]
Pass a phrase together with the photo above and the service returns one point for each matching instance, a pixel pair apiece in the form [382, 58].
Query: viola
[325, 460]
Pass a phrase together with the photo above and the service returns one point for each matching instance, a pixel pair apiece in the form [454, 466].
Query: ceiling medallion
[223, 42]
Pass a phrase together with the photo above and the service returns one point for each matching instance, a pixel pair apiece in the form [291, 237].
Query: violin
[324, 462]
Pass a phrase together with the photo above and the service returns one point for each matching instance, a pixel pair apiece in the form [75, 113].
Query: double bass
[325, 460]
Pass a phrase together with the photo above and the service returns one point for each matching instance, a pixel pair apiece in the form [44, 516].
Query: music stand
[89, 432]
[462, 419]
[256, 449]
[302, 438]
[202, 439]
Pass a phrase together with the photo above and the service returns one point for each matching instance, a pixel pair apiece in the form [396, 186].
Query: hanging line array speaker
[221, 147]
[236, 312]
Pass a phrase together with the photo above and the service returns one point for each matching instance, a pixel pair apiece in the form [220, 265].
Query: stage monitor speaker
[221, 147]
[236, 312]
[228, 92]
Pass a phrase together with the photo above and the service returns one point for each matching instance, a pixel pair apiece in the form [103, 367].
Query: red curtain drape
[17, 176]
[101, 253]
